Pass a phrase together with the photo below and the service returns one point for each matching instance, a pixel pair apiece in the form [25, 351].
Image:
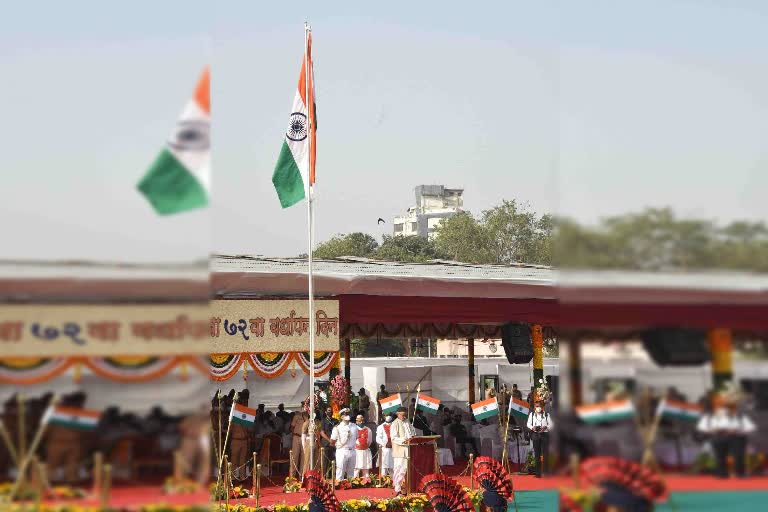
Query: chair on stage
[272, 446]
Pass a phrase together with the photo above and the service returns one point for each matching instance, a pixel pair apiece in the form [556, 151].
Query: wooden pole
[472, 471]
[21, 425]
[228, 479]
[574, 371]
[98, 461]
[253, 474]
[177, 473]
[333, 474]
[107, 487]
[290, 462]
[437, 458]
[537, 340]
[574, 462]
[471, 369]
[258, 484]
[348, 367]
[408, 472]
[8, 443]
[24, 461]
[721, 348]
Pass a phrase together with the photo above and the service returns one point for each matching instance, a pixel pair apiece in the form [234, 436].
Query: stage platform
[533, 493]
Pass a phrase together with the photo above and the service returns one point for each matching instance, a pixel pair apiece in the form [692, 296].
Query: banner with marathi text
[222, 326]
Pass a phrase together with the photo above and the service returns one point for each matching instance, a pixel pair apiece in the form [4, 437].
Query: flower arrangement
[577, 500]
[363, 482]
[179, 486]
[339, 390]
[292, 484]
[219, 492]
[320, 403]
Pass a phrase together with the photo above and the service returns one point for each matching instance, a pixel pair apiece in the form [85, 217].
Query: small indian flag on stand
[390, 404]
[519, 408]
[242, 415]
[70, 417]
[179, 178]
[427, 403]
[485, 409]
[679, 410]
[613, 410]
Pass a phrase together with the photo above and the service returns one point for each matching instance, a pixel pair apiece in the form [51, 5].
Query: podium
[422, 461]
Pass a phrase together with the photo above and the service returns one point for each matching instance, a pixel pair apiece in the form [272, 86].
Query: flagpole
[310, 227]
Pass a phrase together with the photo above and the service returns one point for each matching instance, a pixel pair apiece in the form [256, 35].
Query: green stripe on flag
[170, 187]
[287, 178]
[242, 421]
[74, 425]
[391, 408]
[426, 409]
[520, 414]
[605, 417]
[486, 414]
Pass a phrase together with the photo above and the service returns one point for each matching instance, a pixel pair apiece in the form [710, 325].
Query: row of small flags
[426, 403]
[618, 410]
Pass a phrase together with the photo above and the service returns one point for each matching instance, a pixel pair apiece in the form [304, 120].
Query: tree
[407, 248]
[357, 244]
[506, 234]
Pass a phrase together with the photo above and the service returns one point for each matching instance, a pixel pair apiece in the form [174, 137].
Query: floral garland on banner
[131, 368]
[270, 364]
[22, 371]
[224, 366]
[324, 361]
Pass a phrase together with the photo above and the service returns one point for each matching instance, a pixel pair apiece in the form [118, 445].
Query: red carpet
[135, 496]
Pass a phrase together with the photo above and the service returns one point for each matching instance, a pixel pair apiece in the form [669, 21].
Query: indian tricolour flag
[485, 409]
[71, 417]
[679, 410]
[612, 410]
[519, 408]
[294, 172]
[390, 404]
[242, 415]
[179, 178]
[427, 403]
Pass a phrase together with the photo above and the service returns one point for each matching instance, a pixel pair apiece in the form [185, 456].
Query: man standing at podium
[400, 432]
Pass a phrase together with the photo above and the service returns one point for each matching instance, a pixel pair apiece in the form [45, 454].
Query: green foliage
[654, 239]
[357, 244]
[407, 248]
[506, 234]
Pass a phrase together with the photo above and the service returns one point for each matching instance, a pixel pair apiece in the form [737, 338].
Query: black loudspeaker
[674, 346]
[516, 340]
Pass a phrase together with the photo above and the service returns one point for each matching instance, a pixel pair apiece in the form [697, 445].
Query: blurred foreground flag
[179, 178]
[70, 417]
[613, 410]
[675, 410]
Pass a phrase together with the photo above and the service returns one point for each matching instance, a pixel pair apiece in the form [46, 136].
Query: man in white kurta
[363, 459]
[401, 431]
[344, 436]
[384, 440]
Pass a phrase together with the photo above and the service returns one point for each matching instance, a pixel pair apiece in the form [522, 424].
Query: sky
[584, 109]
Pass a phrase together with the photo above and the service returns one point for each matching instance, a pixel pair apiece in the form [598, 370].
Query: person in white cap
[384, 440]
[343, 438]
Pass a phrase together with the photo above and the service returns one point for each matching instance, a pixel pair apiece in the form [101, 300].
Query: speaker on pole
[516, 340]
[676, 346]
